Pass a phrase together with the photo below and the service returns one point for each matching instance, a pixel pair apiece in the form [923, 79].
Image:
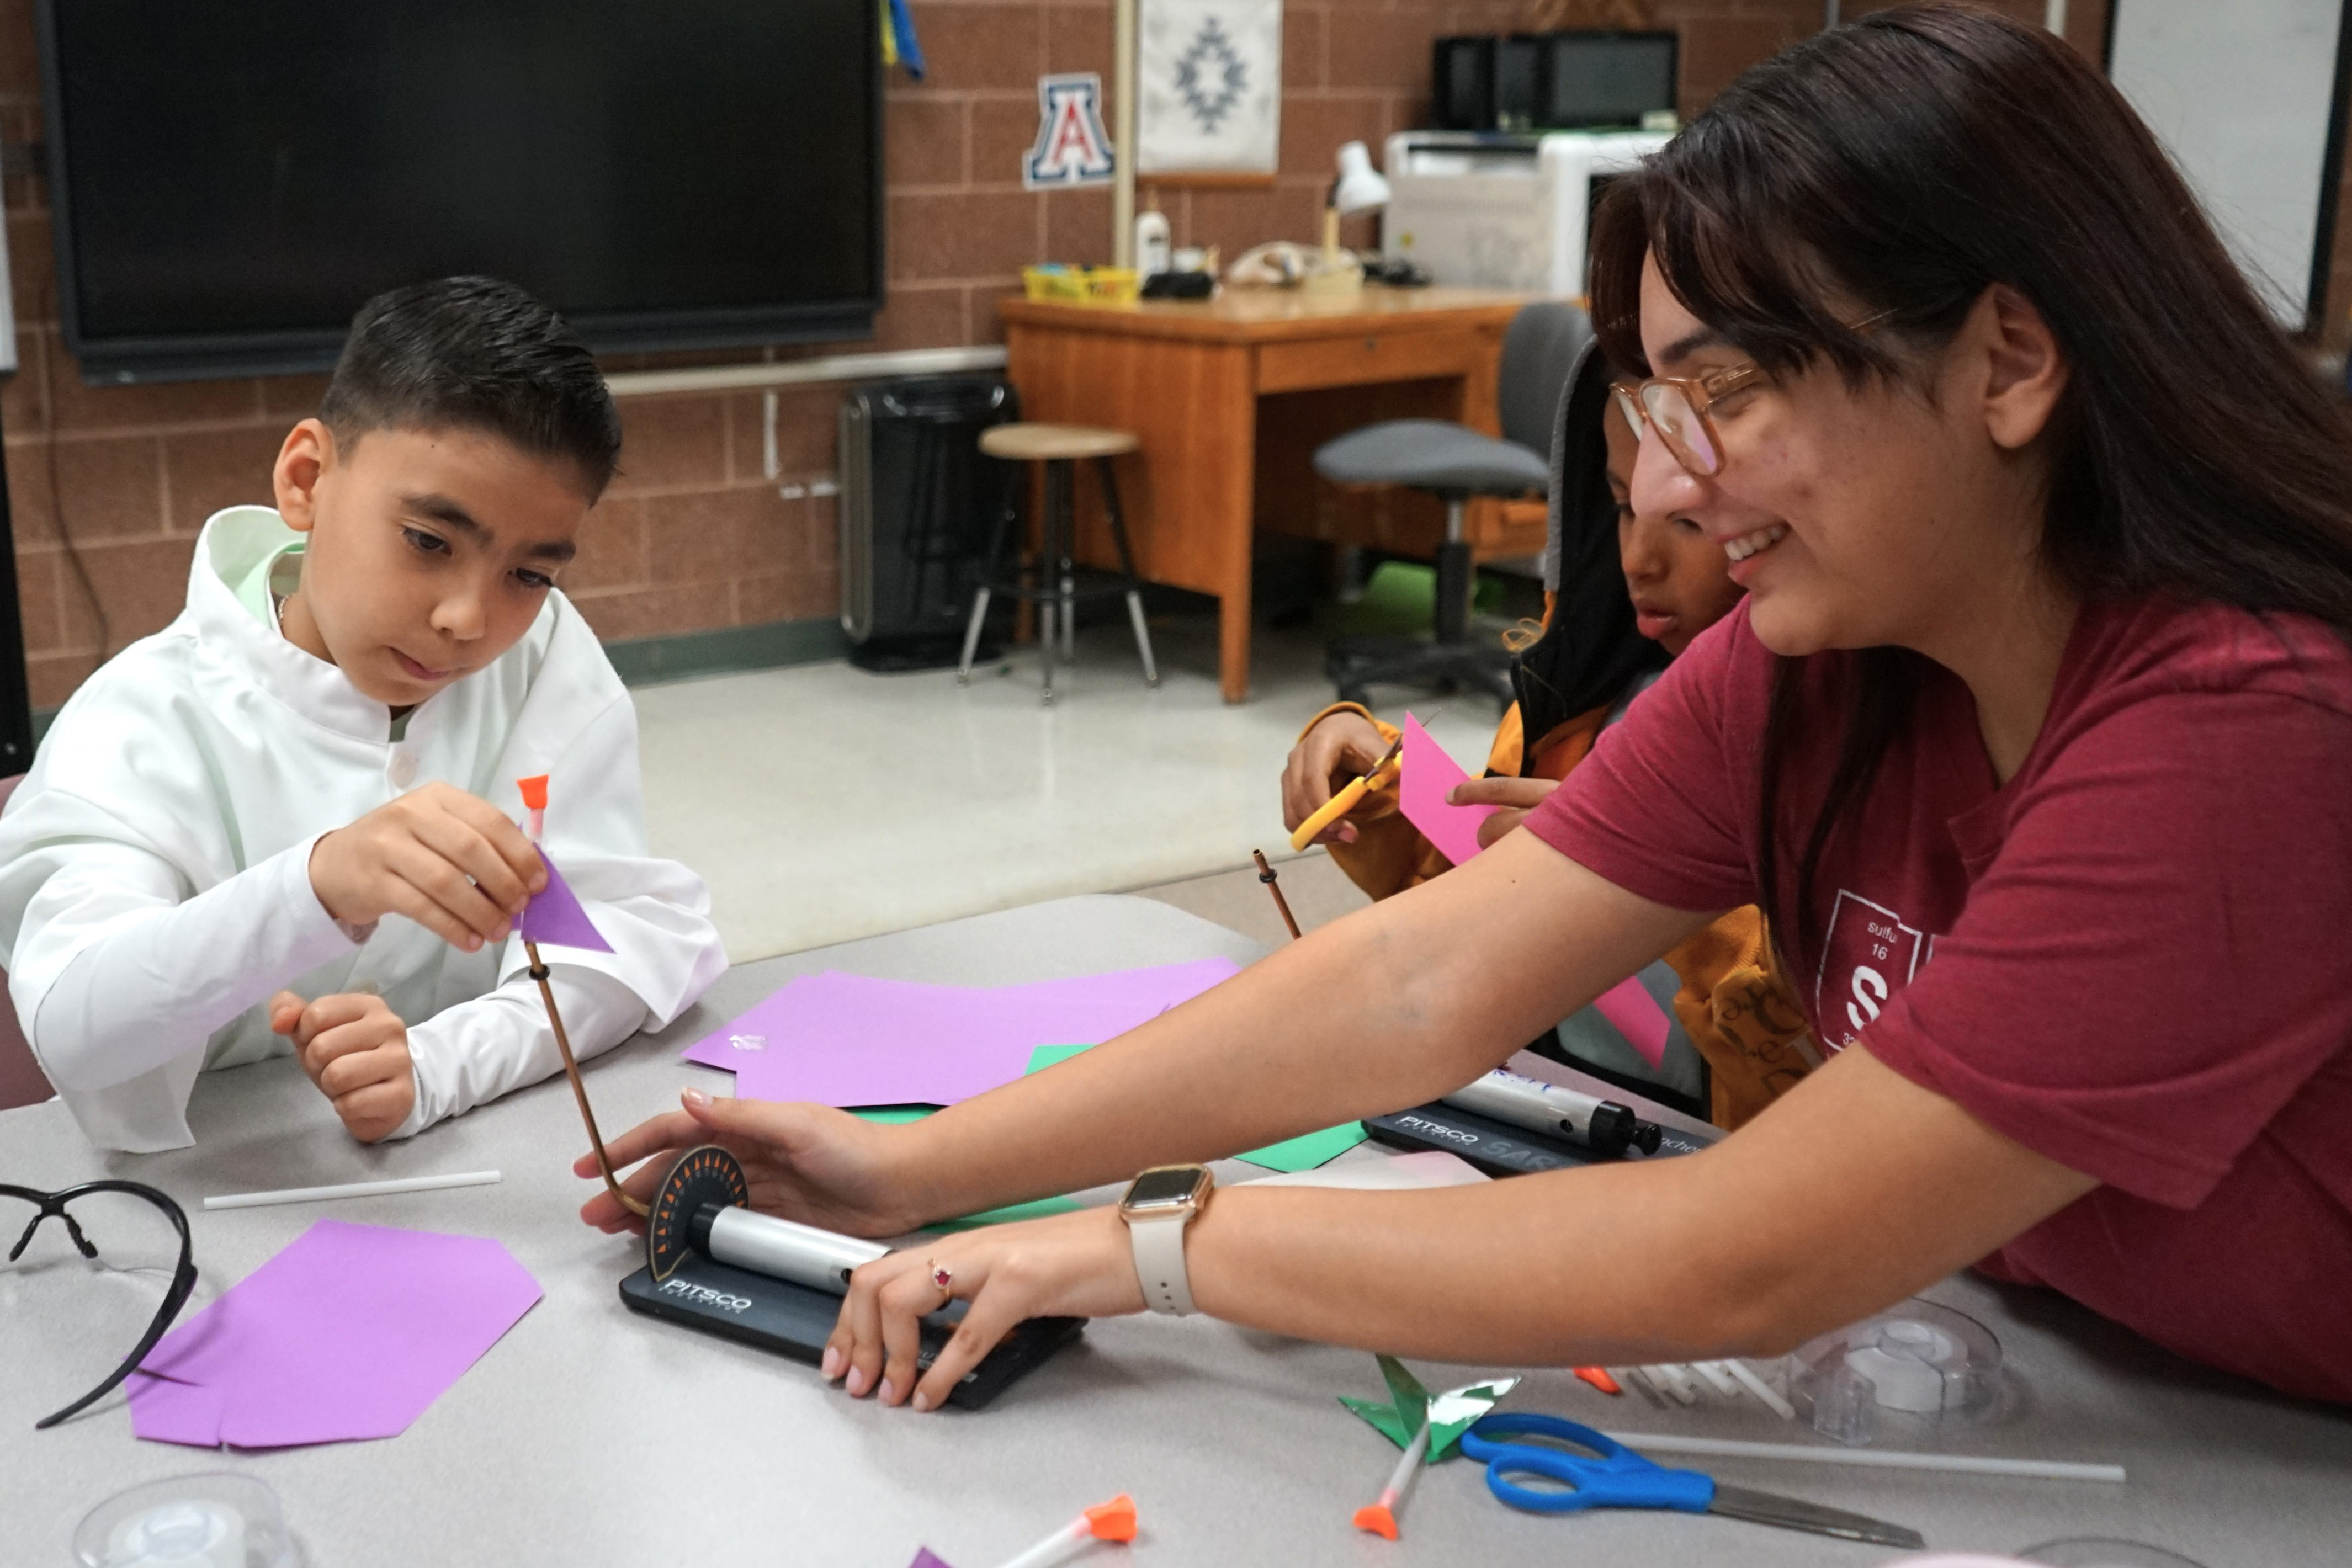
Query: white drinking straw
[352, 1189]
[1761, 1389]
[1112, 1521]
[1877, 1458]
[1379, 1518]
[1713, 1371]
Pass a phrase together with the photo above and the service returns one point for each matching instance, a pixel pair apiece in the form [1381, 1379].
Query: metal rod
[1266, 875]
[579, 1089]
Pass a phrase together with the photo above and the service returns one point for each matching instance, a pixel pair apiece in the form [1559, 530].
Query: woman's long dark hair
[1904, 163]
[1593, 648]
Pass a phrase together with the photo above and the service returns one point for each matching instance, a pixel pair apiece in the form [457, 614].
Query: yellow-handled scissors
[1383, 773]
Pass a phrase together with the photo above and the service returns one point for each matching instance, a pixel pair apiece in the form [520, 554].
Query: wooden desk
[1231, 396]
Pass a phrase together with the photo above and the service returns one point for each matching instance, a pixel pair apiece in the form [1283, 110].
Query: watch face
[1165, 1187]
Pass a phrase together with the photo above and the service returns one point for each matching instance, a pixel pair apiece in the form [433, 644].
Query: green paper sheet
[1035, 1208]
[1303, 1153]
[1307, 1150]
[893, 1113]
[1449, 1414]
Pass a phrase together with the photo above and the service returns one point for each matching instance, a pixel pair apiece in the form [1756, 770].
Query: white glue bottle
[1152, 249]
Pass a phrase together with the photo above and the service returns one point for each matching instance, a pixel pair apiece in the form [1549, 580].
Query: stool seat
[1028, 443]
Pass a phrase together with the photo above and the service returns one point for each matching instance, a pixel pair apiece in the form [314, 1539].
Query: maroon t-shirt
[2135, 959]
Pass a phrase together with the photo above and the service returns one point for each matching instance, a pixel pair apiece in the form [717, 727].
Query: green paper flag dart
[1415, 1419]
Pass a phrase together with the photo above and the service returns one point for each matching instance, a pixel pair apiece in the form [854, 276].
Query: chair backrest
[21, 1083]
[1539, 349]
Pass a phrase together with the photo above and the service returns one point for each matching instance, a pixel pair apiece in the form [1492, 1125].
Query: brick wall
[694, 536]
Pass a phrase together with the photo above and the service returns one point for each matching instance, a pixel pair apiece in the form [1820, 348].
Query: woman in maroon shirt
[2034, 736]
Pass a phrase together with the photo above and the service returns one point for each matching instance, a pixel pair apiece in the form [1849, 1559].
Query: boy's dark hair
[475, 353]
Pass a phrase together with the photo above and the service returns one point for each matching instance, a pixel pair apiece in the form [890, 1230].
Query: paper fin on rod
[1428, 776]
[1449, 1415]
[554, 918]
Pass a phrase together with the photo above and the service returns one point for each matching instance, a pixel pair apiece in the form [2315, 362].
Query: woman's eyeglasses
[57, 1205]
[1681, 408]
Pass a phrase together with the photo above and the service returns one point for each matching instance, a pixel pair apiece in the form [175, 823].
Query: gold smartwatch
[1157, 1206]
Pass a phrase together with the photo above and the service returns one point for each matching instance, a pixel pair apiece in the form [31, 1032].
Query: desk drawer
[1362, 357]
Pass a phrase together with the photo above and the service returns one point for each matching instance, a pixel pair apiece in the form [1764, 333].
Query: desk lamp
[1358, 189]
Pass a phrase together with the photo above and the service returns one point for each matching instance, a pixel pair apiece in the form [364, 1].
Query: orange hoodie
[1733, 1005]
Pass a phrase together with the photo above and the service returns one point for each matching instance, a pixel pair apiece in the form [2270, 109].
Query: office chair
[1454, 463]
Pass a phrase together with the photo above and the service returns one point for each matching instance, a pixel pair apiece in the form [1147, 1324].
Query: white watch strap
[1160, 1263]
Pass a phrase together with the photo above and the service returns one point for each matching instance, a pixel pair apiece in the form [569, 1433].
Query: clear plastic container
[208, 1521]
[1904, 1372]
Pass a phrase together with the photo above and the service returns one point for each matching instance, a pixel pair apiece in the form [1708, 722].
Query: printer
[1485, 210]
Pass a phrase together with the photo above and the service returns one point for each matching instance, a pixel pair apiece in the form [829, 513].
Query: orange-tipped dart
[1112, 1521]
[1379, 1518]
[1599, 1377]
[534, 801]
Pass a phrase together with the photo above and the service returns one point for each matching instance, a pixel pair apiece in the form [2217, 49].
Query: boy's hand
[1342, 743]
[449, 860]
[356, 1048]
[1517, 797]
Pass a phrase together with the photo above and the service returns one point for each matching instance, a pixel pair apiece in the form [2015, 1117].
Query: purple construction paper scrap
[926, 1558]
[351, 1332]
[851, 1039]
[554, 916]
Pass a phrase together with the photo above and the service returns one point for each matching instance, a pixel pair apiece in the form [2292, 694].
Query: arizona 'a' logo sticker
[1071, 148]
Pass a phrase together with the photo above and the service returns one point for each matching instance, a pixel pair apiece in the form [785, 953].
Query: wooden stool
[1057, 582]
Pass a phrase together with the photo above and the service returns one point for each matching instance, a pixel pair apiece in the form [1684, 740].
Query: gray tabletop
[591, 1436]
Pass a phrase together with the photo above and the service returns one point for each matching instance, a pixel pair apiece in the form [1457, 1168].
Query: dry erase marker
[1602, 1125]
[1112, 1521]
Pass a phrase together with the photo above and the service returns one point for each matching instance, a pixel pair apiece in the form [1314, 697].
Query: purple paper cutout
[351, 1333]
[554, 916]
[851, 1040]
[926, 1558]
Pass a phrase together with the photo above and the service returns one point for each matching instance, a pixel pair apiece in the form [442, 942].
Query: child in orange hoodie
[1737, 1037]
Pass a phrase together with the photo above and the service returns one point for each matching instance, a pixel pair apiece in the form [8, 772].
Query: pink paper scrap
[553, 917]
[1637, 1016]
[1428, 774]
[851, 1039]
[351, 1332]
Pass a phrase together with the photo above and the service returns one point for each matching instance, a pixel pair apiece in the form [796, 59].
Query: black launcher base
[792, 1320]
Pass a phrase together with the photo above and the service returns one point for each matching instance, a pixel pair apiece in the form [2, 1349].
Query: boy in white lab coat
[286, 823]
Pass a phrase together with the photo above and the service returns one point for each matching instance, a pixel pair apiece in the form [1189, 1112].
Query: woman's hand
[808, 1163]
[1342, 742]
[1071, 1265]
[1517, 797]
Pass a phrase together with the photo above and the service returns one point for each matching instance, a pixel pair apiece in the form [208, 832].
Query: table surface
[592, 1436]
[1270, 314]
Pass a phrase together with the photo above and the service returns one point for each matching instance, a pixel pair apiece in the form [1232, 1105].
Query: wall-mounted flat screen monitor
[231, 178]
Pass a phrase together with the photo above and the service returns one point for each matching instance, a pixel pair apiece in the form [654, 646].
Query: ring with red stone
[944, 1277]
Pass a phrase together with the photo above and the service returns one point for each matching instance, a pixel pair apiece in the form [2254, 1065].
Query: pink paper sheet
[851, 1039]
[1637, 1016]
[1428, 774]
[554, 916]
[350, 1333]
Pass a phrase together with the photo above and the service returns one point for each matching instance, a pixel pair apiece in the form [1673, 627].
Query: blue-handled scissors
[1611, 1475]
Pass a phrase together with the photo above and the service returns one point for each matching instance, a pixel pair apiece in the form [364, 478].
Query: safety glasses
[58, 1205]
[1681, 408]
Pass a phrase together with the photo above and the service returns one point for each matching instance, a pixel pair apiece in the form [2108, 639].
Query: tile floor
[824, 803]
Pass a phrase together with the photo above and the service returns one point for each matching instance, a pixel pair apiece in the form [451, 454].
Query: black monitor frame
[123, 361]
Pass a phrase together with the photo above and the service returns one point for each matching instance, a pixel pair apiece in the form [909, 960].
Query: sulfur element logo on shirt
[1869, 953]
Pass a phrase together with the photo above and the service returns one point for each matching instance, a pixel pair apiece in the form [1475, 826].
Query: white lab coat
[154, 864]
